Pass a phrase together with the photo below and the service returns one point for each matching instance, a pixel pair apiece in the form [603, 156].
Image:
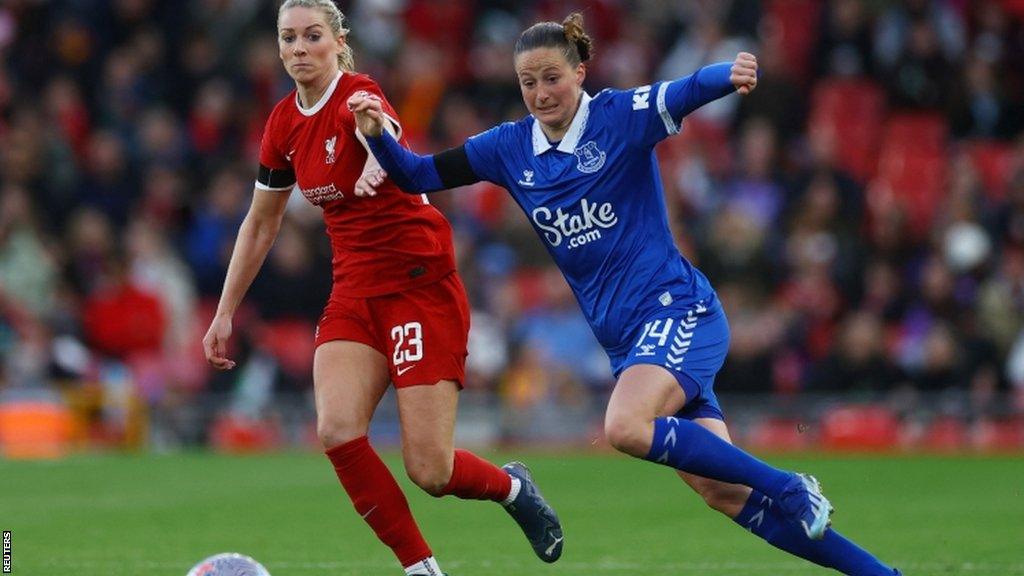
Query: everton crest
[588, 158]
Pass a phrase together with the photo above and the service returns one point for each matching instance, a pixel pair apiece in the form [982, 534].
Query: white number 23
[408, 342]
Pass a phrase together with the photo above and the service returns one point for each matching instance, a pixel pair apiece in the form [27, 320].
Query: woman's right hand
[368, 111]
[215, 343]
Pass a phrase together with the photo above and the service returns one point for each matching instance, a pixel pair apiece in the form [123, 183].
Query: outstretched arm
[255, 237]
[710, 83]
[412, 173]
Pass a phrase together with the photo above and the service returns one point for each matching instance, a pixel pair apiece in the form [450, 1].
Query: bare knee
[334, 432]
[430, 472]
[726, 498]
[627, 434]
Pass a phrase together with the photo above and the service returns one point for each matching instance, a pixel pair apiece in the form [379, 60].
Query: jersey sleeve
[483, 152]
[275, 172]
[654, 112]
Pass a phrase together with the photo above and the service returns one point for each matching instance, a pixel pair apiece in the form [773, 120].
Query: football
[228, 564]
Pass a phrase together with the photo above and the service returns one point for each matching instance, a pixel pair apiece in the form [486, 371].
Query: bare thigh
[349, 379]
[427, 416]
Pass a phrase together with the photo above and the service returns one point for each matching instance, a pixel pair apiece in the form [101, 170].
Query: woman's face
[551, 87]
[308, 48]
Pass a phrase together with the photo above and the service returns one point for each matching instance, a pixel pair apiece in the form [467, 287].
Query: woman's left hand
[368, 111]
[743, 73]
[369, 181]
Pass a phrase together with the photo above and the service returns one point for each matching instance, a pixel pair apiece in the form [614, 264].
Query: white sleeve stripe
[393, 126]
[670, 124]
[262, 186]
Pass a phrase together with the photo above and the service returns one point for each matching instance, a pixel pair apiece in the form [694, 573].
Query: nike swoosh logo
[404, 370]
[551, 549]
[368, 512]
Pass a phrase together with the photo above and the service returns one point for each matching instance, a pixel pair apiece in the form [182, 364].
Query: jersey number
[655, 329]
[408, 342]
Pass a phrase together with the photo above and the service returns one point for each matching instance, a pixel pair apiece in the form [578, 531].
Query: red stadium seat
[916, 130]
[860, 428]
[912, 168]
[291, 343]
[854, 109]
[993, 161]
[236, 434]
[797, 22]
[946, 434]
[1004, 435]
[783, 434]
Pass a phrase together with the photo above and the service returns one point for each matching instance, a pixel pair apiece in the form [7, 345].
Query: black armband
[276, 179]
[454, 169]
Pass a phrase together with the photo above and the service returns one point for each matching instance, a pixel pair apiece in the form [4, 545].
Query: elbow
[261, 229]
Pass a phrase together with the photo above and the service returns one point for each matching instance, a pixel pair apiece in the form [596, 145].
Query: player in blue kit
[584, 171]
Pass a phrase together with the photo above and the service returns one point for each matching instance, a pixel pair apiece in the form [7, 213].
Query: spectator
[121, 319]
[844, 46]
[858, 361]
[28, 272]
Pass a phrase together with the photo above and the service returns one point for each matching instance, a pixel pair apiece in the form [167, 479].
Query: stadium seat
[854, 109]
[993, 161]
[945, 434]
[859, 428]
[778, 434]
[1002, 435]
[912, 168]
[291, 343]
[237, 434]
[797, 23]
[919, 130]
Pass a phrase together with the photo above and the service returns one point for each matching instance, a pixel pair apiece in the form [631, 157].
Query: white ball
[228, 564]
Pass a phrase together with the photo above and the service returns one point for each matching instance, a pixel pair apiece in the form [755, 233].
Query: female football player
[584, 171]
[397, 311]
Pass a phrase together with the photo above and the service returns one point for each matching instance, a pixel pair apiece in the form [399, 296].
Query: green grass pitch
[153, 515]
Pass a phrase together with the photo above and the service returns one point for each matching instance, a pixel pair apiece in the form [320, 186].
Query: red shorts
[422, 331]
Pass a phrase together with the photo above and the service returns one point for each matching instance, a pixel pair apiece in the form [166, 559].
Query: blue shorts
[690, 342]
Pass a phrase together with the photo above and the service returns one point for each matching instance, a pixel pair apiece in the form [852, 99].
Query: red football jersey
[382, 244]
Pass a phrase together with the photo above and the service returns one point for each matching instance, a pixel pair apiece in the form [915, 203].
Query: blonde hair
[335, 19]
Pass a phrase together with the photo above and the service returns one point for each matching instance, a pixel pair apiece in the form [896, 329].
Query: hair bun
[574, 33]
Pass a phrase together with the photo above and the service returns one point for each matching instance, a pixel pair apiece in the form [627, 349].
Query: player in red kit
[397, 311]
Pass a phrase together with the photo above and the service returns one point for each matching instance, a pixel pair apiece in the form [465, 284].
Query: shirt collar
[323, 99]
[572, 136]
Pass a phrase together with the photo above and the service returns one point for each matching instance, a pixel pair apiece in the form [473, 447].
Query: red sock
[378, 499]
[474, 478]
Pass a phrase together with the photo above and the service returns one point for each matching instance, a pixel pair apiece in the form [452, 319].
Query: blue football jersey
[597, 202]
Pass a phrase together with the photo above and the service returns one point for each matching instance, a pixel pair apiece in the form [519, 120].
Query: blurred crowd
[861, 214]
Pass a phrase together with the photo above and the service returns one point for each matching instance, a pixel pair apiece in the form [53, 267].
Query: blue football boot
[802, 501]
[534, 515]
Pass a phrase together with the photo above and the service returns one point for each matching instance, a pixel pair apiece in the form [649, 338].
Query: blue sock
[692, 448]
[833, 551]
